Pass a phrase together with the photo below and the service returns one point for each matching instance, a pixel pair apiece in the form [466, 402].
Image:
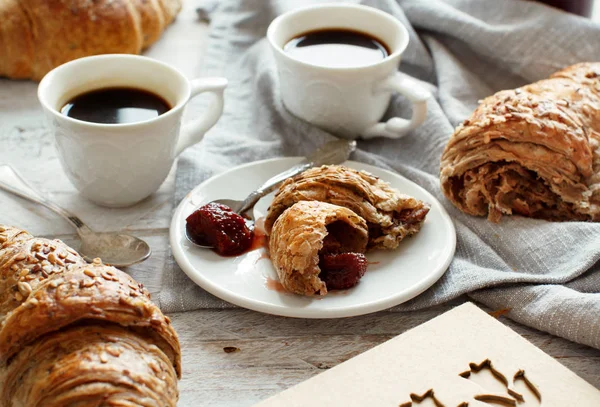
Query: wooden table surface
[275, 352]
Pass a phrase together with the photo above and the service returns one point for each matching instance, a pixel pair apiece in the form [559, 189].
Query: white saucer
[250, 280]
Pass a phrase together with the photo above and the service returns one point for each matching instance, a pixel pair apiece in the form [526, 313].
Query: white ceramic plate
[393, 277]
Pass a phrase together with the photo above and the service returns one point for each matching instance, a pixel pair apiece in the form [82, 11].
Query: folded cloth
[465, 50]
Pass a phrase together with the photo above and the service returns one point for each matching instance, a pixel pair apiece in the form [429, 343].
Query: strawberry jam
[219, 226]
[342, 271]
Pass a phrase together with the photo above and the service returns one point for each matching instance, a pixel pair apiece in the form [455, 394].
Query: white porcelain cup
[348, 101]
[121, 164]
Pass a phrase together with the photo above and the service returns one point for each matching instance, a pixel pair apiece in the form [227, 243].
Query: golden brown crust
[170, 8]
[152, 20]
[16, 41]
[39, 35]
[532, 151]
[25, 263]
[46, 289]
[91, 365]
[390, 216]
[81, 28]
[300, 233]
[92, 291]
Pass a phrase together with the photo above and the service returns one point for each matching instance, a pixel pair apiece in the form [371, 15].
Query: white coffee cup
[121, 164]
[347, 101]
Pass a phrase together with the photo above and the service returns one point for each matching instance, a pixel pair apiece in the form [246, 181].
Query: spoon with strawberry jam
[220, 224]
[217, 226]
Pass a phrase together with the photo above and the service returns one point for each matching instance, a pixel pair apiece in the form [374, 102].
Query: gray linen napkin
[465, 50]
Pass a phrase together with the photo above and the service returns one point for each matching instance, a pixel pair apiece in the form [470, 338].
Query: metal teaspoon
[116, 249]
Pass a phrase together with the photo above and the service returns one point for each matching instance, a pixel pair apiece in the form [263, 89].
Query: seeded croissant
[39, 35]
[532, 151]
[73, 333]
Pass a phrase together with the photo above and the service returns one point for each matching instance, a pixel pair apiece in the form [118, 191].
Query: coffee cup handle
[397, 127]
[193, 131]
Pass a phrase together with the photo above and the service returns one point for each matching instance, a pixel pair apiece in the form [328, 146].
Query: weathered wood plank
[277, 352]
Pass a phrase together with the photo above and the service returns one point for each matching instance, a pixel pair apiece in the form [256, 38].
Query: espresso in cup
[338, 67]
[337, 48]
[118, 105]
[99, 109]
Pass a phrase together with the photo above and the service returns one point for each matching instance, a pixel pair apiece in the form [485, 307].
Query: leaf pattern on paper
[496, 390]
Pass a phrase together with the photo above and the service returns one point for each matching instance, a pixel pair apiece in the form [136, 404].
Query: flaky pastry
[302, 232]
[532, 151]
[73, 333]
[39, 35]
[390, 215]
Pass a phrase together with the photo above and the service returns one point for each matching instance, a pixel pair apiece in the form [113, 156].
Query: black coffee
[116, 106]
[337, 48]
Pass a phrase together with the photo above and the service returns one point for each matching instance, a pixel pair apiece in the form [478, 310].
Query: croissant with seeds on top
[79, 334]
[532, 151]
[39, 35]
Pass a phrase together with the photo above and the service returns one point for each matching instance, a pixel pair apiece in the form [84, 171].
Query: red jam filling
[342, 271]
[219, 226]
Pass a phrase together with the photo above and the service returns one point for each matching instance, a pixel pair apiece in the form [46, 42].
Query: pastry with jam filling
[316, 247]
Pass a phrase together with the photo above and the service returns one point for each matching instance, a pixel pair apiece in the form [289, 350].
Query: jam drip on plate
[218, 226]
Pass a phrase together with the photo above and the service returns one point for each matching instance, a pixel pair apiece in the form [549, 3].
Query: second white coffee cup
[348, 101]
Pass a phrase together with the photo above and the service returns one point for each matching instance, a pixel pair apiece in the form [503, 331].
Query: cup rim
[44, 83]
[396, 53]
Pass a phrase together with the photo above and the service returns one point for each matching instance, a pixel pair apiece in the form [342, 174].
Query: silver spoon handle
[11, 181]
[271, 184]
[334, 152]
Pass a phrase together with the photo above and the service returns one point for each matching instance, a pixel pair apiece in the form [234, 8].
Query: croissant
[39, 35]
[302, 232]
[73, 333]
[390, 216]
[531, 151]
